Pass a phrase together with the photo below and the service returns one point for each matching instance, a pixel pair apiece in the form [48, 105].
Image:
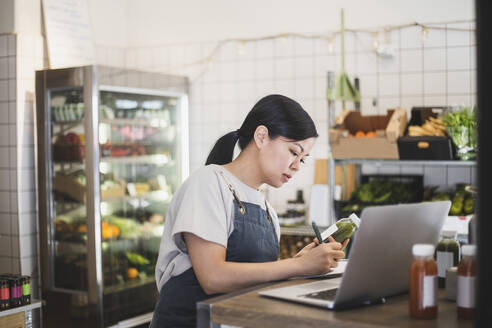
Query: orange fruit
[132, 273]
[116, 230]
[360, 134]
[371, 134]
[107, 232]
[83, 228]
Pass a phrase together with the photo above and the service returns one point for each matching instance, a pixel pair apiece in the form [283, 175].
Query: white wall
[154, 22]
[110, 20]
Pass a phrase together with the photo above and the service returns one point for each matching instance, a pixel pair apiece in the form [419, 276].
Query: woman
[220, 234]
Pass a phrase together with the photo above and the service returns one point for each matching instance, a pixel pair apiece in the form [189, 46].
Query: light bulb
[375, 42]
[425, 34]
[240, 48]
[330, 45]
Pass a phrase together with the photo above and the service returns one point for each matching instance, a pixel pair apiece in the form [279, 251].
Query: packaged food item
[447, 255]
[423, 283]
[4, 294]
[465, 291]
[26, 290]
[15, 291]
[342, 229]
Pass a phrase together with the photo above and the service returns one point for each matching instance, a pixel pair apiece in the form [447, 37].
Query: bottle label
[465, 292]
[444, 261]
[429, 291]
[16, 291]
[330, 231]
[4, 293]
[26, 289]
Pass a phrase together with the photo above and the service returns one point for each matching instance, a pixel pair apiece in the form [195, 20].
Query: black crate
[425, 147]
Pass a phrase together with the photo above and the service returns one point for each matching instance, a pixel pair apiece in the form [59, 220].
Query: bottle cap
[448, 233]
[468, 250]
[355, 218]
[423, 250]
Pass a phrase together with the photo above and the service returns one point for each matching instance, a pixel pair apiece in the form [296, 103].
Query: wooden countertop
[248, 309]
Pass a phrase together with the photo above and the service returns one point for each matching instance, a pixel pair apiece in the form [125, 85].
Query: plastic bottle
[300, 204]
[4, 294]
[342, 229]
[465, 289]
[26, 290]
[423, 283]
[447, 255]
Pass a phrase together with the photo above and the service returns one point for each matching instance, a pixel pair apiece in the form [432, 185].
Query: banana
[432, 127]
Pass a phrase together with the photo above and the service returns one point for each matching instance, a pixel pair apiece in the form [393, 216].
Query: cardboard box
[383, 146]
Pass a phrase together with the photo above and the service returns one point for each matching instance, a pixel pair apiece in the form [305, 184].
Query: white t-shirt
[202, 205]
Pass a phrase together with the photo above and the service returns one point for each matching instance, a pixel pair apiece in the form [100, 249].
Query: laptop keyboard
[328, 295]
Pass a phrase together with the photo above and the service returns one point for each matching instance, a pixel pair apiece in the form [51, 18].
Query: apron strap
[242, 209]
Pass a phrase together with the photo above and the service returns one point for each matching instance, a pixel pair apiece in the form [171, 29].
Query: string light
[283, 38]
[375, 42]
[425, 33]
[331, 47]
[387, 36]
[240, 48]
[330, 38]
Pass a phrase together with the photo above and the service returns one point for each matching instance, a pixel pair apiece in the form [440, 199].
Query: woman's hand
[332, 240]
[316, 243]
[320, 258]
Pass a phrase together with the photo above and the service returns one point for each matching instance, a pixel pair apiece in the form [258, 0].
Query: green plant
[461, 126]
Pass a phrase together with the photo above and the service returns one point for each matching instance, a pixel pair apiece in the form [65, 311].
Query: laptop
[380, 257]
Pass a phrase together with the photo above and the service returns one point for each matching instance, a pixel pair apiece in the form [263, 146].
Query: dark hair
[281, 115]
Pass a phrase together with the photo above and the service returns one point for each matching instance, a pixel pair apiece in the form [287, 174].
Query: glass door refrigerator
[112, 150]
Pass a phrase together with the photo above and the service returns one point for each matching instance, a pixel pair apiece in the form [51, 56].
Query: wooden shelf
[34, 305]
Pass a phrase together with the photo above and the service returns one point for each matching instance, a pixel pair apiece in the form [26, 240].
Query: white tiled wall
[437, 70]
[20, 56]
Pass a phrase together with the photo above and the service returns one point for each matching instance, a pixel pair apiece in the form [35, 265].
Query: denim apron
[253, 240]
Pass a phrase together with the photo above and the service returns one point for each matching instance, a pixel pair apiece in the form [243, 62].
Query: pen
[316, 231]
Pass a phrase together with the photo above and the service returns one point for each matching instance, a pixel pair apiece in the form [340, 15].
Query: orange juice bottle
[465, 289]
[423, 282]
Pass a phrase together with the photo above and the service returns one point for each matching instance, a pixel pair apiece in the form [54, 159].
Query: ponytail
[223, 149]
[281, 115]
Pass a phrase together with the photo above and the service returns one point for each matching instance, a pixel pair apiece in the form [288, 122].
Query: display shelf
[458, 223]
[68, 122]
[152, 195]
[146, 123]
[34, 305]
[151, 122]
[129, 284]
[143, 159]
[362, 161]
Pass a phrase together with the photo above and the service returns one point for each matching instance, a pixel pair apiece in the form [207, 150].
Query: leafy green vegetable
[129, 228]
[385, 191]
[136, 259]
[461, 126]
